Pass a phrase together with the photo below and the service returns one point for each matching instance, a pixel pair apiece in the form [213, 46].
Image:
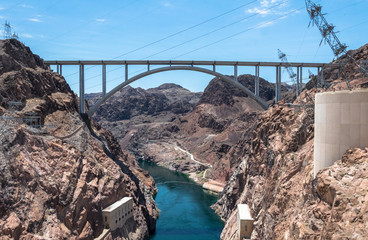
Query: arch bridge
[198, 66]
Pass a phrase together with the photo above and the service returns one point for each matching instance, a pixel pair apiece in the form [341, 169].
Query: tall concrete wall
[341, 122]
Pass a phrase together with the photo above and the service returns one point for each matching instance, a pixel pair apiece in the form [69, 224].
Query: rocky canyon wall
[275, 174]
[56, 178]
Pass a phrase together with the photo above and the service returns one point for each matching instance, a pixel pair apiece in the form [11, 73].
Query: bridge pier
[320, 71]
[103, 80]
[59, 69]
[256, 81]
[298, 86]
[278, 84]
[301, 80]
[81, 89]
[126, 72]
[235, 72]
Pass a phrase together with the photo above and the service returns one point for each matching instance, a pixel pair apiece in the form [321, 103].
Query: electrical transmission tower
[8, 34]
[292, 75]
[328, 33]
[7, 30]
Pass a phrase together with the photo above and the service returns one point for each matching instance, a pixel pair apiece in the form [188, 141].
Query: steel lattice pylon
[326, 29]
[328, 34]
[7, 30]
[289, 68]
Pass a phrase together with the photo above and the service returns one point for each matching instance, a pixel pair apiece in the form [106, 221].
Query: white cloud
[26, 6]
[101, 20]
[26, 35]
[270, 7]
[259, 11]
[265, 24]
[1, 8]
[34, 20]
[1, 17]
[167, 4]
[269, 23]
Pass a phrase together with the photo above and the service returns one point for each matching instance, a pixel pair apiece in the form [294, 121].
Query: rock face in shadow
[275, 176]
[131, 102]
[56, 178]
[219, 92]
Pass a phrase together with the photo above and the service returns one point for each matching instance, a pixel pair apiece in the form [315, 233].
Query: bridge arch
[229, 80]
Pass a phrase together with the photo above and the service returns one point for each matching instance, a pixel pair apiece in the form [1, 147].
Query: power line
[258, 26]
[302, 43]
[186, 29]
[13, 6]
[236, 34]
[213, 31]
[329, 35]
[355, 25]
[83, 25]
[177, 33]
[44, 10]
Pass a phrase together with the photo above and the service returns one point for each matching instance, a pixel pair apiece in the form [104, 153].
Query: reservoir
[185, 211]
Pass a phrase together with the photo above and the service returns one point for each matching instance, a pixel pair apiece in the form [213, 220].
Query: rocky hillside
[275, 175]
[219, 92]
[59, 171]
[128, 103]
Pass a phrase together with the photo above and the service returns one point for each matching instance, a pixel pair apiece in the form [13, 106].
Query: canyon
[263, 158]
[58, 174]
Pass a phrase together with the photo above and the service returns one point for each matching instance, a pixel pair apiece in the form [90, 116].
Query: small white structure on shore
[245, 222]
[115, 215]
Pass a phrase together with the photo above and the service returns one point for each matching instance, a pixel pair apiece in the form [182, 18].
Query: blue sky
[90, 30]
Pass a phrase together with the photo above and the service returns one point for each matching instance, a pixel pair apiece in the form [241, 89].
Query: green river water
[185, 212]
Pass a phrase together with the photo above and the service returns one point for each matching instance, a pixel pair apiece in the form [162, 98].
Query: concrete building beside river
[115, 215]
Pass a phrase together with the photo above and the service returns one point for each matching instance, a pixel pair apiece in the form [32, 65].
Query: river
[185, 212]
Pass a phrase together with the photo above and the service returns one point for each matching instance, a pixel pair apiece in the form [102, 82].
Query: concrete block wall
[341, 122]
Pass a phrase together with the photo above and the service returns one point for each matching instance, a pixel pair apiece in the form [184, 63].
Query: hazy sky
[239, 30]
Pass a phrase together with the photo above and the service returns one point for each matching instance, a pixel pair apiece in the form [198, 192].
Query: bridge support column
[322, 77]
[103, 79]
[235, 72]
[214, 67]
[126, 72]
[279, 88]
[256, 82]
[58, 69]
[298, 81]
[81, 89]
[278, 85]
[301, 80]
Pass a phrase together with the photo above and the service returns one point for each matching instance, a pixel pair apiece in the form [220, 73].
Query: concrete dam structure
[341, 122]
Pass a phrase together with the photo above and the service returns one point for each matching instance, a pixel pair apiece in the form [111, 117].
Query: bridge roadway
[171, 65]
